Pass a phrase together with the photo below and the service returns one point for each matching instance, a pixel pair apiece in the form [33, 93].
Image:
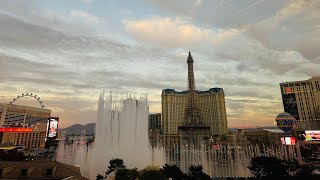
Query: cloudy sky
[67, 52]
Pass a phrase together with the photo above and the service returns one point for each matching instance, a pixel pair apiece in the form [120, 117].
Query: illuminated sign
[288, 140]
[215, 146]
[16, 129]
[288, 90]
[290, 105]
[312, 135]
[52, 128]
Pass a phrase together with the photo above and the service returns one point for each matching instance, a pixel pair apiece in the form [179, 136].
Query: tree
[272, 167]
[99, 177]
[269, 167]
[301, 170]
[151, 174]
[196, 173]
[173, 172]
[114, 164]
[12, 155]
[126, 174]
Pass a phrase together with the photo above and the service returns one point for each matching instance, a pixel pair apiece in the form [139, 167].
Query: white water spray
[121, 132]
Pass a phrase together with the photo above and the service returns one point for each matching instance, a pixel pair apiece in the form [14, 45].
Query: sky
[69, 51]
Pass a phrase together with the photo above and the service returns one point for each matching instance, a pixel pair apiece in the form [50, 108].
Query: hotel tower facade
[301, 99]
[210, 105]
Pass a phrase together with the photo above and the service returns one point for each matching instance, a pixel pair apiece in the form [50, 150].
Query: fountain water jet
[227, 161]
[121, 132]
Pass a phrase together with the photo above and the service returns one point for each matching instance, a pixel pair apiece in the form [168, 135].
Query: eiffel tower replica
[193, 132]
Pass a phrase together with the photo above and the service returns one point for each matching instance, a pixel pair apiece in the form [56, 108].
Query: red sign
[288, 140]
[288, 90]
[16, 129]
[215, 146]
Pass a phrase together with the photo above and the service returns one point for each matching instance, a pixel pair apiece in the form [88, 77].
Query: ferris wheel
[28, 95]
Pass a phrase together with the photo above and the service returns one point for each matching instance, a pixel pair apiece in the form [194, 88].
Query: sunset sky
[68, 51]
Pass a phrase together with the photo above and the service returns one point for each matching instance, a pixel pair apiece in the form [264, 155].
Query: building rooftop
[193, 126]
[277, 130]
[30, 108]
[299, 81]
[173, 91]
[39, 170]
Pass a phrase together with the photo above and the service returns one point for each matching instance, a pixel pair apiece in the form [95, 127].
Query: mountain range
[77, 129]
[89, 129]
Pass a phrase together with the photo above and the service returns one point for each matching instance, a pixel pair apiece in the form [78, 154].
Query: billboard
[19, 129]
[312, 135]
[288, 140]
[290, 105]
[288, 90]
[52, 127]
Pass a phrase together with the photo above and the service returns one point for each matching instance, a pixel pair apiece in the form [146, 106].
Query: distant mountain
[77, 129]
[254, 128]
[89, 129]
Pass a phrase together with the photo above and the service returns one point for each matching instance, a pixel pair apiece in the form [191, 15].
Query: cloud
[222, 13]
[293, 27]
[165, 31]
[60, 57]
[77, 22]
[54, 64]
[85, 17]
[247, 69]
[278, 25]
[87, 1]
[242, 112]
[175, 32]
[198, 2]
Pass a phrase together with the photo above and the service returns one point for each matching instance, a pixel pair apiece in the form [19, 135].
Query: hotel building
[301, 99]
[23, 125]
[210, 106]
[17, 115]
[154, 121]
[211, 103]
[27, 137]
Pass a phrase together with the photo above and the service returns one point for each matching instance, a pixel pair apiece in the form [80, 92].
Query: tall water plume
[121, 132]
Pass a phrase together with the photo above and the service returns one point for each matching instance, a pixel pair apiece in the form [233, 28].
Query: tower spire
[192, 112]
[192, 130]
[191, 84]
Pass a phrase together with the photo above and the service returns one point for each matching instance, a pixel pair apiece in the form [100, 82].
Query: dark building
[154, 128]
[154, 121]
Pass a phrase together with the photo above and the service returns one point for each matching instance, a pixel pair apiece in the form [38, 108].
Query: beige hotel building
[301, 99]
[23, 125]
[211, 103]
